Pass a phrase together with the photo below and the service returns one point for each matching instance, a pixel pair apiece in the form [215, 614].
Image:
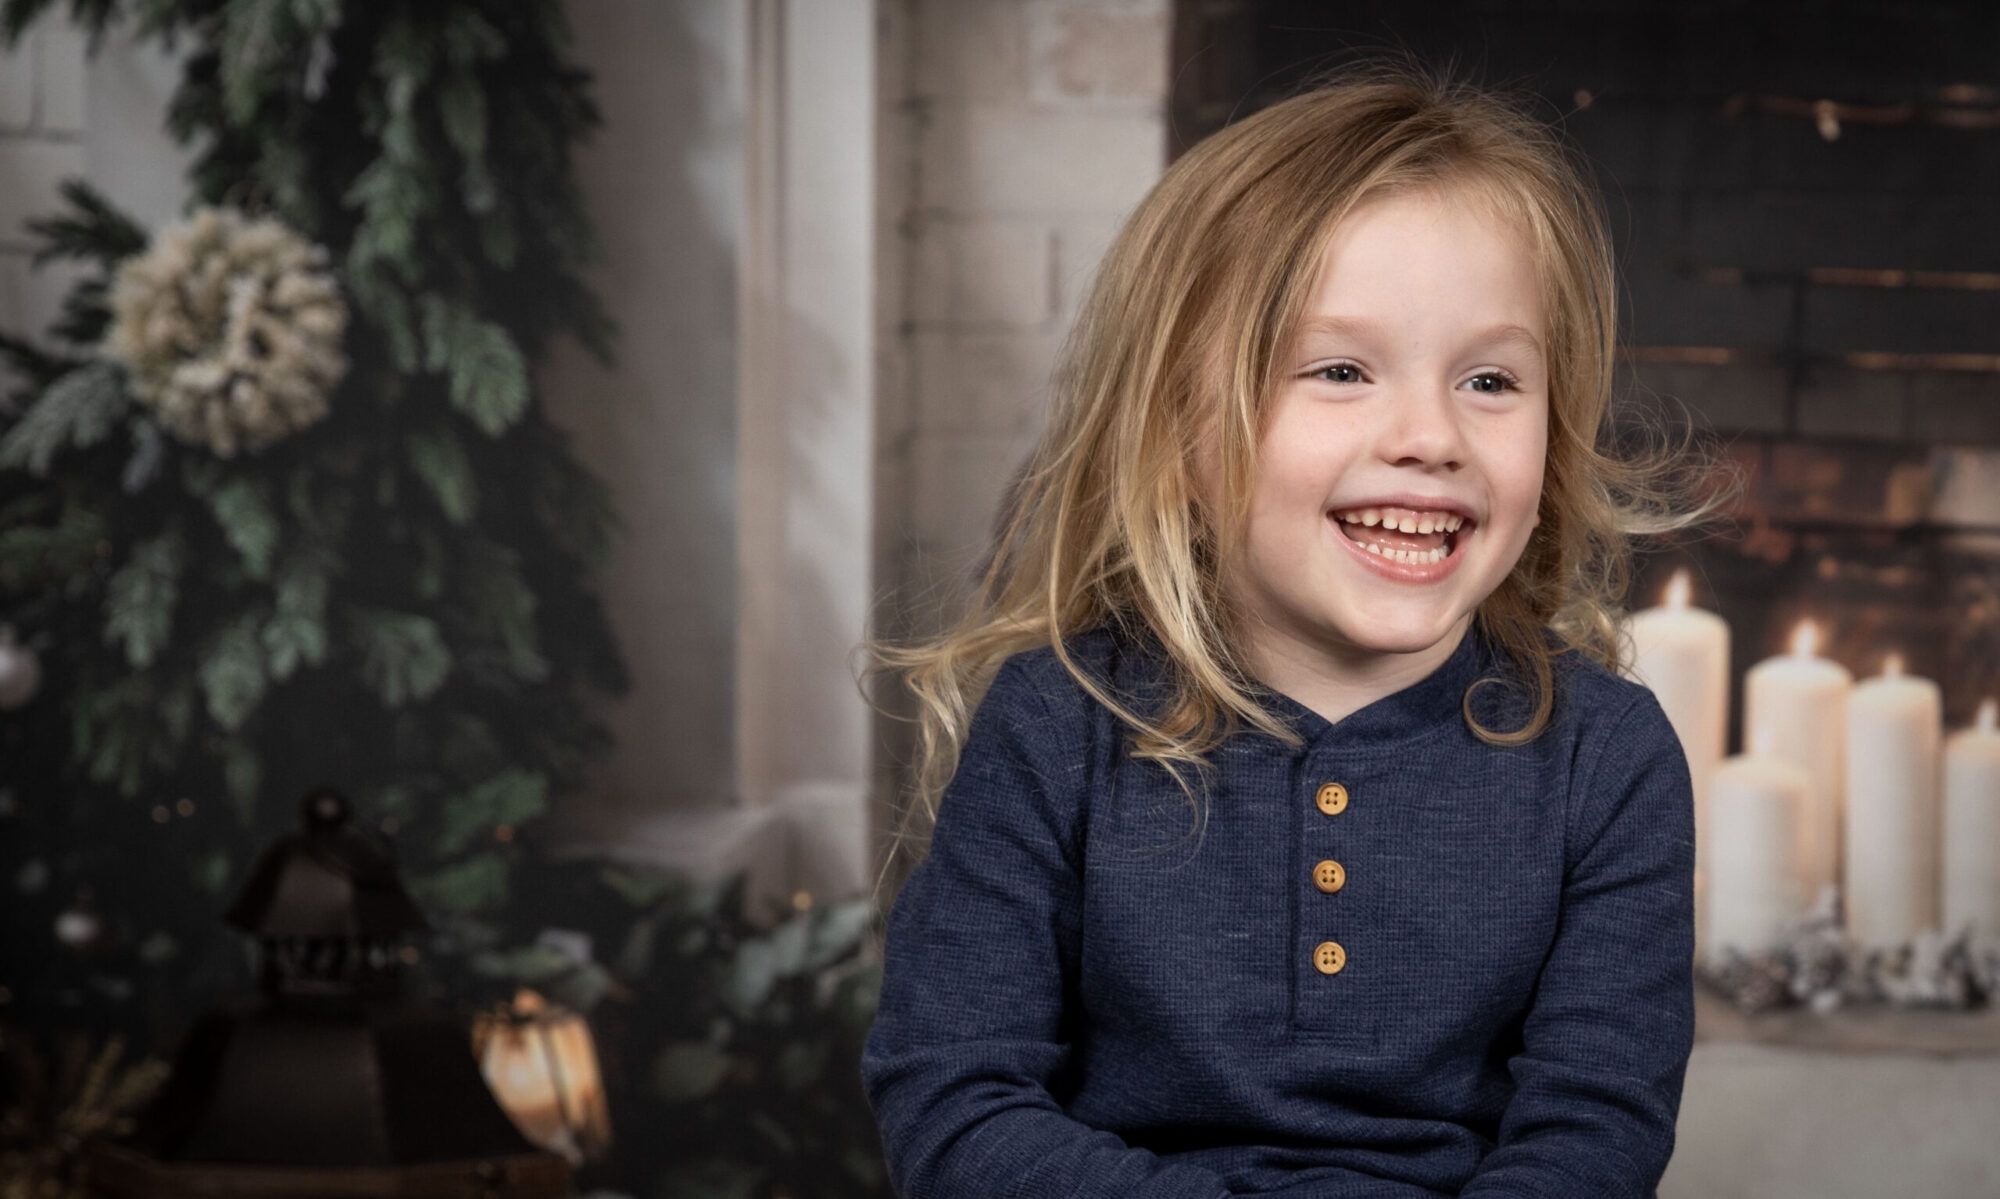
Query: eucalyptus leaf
[470, 886]
[642, 888]
[838, 930]
[525, 964]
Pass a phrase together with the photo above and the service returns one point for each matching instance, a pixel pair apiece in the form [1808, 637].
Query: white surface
[1764, 1123]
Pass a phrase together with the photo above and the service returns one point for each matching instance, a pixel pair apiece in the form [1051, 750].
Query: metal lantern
[328, 1082]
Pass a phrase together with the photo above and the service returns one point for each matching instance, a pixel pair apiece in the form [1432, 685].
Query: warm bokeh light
[1805, 639]
[1892, 666]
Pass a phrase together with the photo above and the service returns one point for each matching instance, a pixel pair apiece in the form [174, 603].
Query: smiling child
[1305, 839]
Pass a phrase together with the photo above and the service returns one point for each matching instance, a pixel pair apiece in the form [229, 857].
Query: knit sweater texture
[1089, 992]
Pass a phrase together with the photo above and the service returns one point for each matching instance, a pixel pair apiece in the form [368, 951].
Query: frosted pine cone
[231, 328]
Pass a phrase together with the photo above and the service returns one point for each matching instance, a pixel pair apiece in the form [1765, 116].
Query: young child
[1305, 841]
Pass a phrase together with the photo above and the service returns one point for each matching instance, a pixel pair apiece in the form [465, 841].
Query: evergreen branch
[95, 231]
[489, 377]
[503, 605]
[242, 508]
[39, 367]
[85, 315]
[92, 15]
[511, 797]
[250, 44]
[79, 409]
[296, 632]
[441, 462]
[242, 776]
[403, 656]
[139, 600]
[31, 554]
[469, 886]
[232, 672]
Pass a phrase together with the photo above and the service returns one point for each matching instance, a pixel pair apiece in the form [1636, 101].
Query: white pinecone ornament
[231, 328]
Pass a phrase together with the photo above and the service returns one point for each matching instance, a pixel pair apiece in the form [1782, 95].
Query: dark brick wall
[1864, 407]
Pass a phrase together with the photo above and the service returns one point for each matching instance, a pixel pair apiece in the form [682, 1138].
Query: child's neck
[1336, 684]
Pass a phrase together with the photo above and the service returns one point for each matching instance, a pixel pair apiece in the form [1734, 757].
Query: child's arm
[973, 1024]
[1606, 1043]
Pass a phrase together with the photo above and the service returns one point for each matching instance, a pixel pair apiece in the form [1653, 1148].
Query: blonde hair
[1179, 341]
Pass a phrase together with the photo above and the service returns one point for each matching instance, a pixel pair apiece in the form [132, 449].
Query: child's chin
[1413, 640]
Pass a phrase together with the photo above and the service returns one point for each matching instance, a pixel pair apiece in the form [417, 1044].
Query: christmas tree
[279, 507]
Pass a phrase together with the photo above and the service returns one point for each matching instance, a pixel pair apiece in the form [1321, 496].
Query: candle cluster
[1847, 794]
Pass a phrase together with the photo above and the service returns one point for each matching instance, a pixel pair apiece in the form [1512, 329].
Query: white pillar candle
[1891, 883]
[1972, 828]
[1756, 880]
[1682, 653]
[1799, 703]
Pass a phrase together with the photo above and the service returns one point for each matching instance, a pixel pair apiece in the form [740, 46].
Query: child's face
[1417, 395]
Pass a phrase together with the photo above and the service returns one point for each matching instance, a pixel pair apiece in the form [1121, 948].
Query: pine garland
[399, 599]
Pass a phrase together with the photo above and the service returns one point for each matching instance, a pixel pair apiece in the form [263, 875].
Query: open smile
[1404, 544]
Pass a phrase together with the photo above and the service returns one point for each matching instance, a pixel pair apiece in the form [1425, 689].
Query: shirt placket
[1330, 948]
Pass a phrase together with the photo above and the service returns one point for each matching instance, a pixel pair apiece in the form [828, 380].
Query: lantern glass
[541, 1063]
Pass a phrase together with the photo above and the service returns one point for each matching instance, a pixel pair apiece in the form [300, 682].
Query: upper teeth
[1404, 520]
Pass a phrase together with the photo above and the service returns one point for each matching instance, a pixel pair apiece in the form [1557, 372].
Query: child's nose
[1424, 429]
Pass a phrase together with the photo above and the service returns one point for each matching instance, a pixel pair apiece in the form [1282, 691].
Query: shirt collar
[1412, 713]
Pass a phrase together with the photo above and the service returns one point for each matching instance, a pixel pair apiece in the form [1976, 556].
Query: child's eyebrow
[1361, 328]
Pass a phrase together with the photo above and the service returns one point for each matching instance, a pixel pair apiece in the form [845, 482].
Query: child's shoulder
[1594, 695]
[1111, 659]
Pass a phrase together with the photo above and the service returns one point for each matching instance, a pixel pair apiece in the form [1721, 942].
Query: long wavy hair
[1178, 346]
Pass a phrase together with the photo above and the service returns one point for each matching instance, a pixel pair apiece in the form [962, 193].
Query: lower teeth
[1412, 557]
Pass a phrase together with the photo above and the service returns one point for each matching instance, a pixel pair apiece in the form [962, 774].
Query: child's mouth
[1411, 536]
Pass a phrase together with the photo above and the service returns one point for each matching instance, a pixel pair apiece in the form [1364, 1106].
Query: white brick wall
[1028, 130]
[42, 116]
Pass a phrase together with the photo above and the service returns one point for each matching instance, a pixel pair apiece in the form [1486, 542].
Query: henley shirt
[1395, 962]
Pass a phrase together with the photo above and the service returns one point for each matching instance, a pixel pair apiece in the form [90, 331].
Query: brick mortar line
[31, 134]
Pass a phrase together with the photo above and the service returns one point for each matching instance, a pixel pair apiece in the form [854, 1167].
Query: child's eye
[1339, 372]
[1493, 382]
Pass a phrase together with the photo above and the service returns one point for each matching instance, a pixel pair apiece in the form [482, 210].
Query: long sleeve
[972, 1035]
[1605, 1044]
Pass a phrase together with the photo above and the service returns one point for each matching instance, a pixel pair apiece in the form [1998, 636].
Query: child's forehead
[1501, 209]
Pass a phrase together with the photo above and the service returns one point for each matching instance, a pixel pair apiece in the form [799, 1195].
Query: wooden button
[1332, 799]
[1329, 877]
[1329, 957]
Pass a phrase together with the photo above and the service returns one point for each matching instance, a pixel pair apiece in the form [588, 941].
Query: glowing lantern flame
[1805, 639]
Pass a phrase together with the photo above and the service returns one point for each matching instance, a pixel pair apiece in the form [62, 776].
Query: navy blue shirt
[1089, 994]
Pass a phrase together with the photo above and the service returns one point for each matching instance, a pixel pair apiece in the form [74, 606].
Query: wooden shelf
[1873, 1029]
